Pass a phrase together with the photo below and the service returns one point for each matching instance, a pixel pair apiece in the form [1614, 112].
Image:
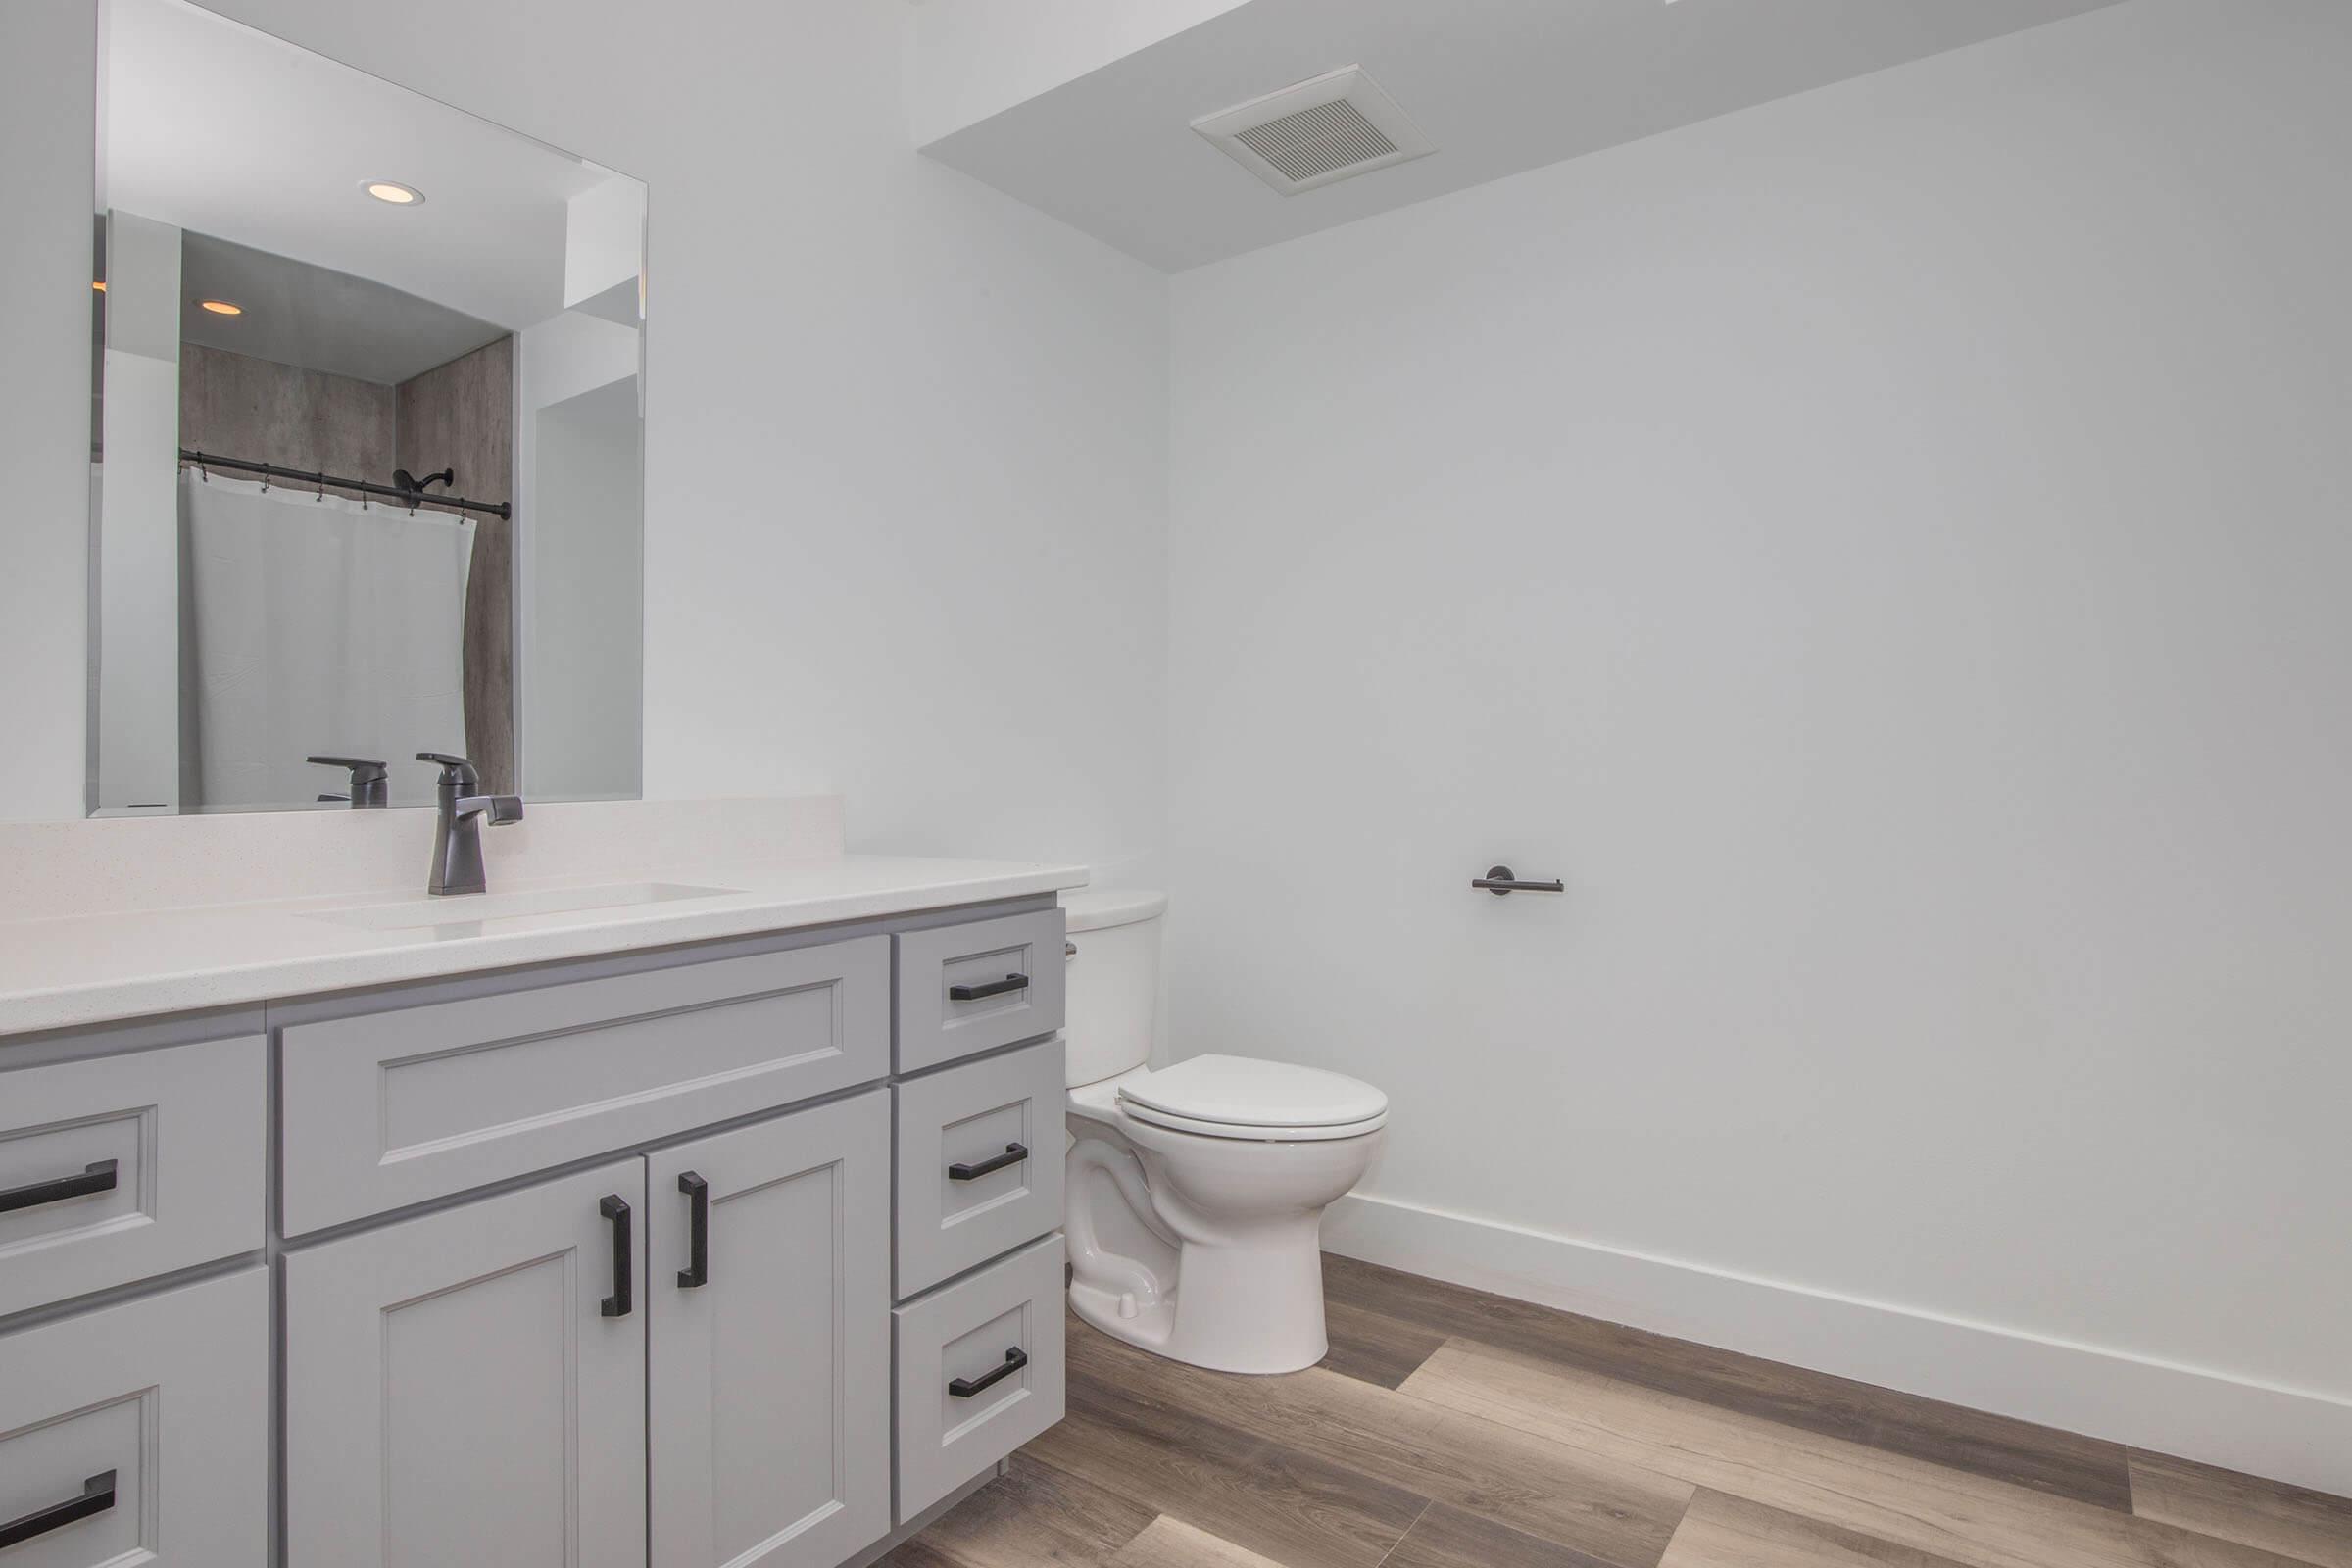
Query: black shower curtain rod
[414, 498]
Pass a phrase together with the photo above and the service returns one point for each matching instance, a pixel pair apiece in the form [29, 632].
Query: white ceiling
[300, 313]
[227, 131]
[1503, 85]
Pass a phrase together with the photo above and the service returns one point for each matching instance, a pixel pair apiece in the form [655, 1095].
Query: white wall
[906, 447]
[1886, 550]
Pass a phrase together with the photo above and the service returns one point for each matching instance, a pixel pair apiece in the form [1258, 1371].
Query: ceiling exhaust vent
[1337, 126]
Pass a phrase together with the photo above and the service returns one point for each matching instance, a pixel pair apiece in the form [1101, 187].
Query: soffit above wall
[1501, 85]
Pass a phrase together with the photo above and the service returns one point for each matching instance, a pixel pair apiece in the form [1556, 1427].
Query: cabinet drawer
[959, 1409]
[140, 1433]
[391, 1108]
[955, 1212]
[122, 1167]
[1011, 969]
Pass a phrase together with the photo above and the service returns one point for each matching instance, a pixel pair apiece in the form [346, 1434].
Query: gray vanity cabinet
[470, 1387]
[642, 1260]
[770, 1340]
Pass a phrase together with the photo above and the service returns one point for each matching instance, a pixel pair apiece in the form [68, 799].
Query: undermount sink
[479, 909]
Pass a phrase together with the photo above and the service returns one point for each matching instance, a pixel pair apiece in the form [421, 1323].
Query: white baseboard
[2284, 1434]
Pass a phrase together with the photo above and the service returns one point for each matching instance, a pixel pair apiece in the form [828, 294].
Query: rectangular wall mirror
[367, 437]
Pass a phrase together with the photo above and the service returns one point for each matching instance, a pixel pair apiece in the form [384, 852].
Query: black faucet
[368, 781]
[457, 834]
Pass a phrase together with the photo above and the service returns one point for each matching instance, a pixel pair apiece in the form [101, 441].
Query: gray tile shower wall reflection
[461, 415]
[264, 411]
[457, 416]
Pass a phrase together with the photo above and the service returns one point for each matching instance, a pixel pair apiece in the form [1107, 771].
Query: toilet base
[1250, 1304]
[1204, 1249]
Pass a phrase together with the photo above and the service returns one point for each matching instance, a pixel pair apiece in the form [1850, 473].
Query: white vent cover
[1337, 126]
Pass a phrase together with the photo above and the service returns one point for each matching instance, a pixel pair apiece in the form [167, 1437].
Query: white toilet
[1195, 1194]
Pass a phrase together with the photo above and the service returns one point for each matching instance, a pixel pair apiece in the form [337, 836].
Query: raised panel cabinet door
[470, 1387]
[770, 1349]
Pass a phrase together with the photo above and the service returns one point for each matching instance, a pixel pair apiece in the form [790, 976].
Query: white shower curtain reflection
[314, 625]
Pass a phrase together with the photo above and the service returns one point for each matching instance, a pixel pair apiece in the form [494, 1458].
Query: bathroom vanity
[707, 1231]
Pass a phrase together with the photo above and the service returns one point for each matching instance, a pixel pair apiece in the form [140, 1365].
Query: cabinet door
[770, 1398]
[470, 1387]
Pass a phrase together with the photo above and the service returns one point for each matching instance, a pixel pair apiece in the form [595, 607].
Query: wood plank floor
[1450, 1429]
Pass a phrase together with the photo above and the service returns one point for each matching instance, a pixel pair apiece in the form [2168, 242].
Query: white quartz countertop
[100, 967]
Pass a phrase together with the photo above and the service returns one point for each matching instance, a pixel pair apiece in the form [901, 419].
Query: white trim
[2288, 1435]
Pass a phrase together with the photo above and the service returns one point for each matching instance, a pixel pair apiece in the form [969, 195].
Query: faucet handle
[455, 770]
[369, 783]
[364, 769]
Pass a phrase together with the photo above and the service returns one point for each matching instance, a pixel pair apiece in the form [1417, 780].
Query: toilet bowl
[1195, 1194]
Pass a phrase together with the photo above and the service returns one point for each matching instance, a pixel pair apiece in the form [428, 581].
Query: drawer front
[122, 1167]
[959, 1409]
[391, 1108]
[140, 1433]
[937, 1024]
[980, 1163]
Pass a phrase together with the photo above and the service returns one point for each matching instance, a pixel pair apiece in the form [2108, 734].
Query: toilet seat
[1243, 1097]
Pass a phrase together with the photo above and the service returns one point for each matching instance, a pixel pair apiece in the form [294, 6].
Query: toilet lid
[1243, 1091]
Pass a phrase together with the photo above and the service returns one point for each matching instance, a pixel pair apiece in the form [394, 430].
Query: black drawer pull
[617, 1210]
[698, 1231]
[97, 1178]
[994, 988]
[97, 1495]
[1013, 1155]
[1014, 1360]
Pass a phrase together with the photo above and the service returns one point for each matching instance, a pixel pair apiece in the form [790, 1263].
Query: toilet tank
[1113, 999]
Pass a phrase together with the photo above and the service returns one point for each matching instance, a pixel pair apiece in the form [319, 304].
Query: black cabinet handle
[97, 1178]
[97, 1495]
[615, 1209]
[994, 988]
[698, 1231]
[1014, 1360]
[1013, 1155]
